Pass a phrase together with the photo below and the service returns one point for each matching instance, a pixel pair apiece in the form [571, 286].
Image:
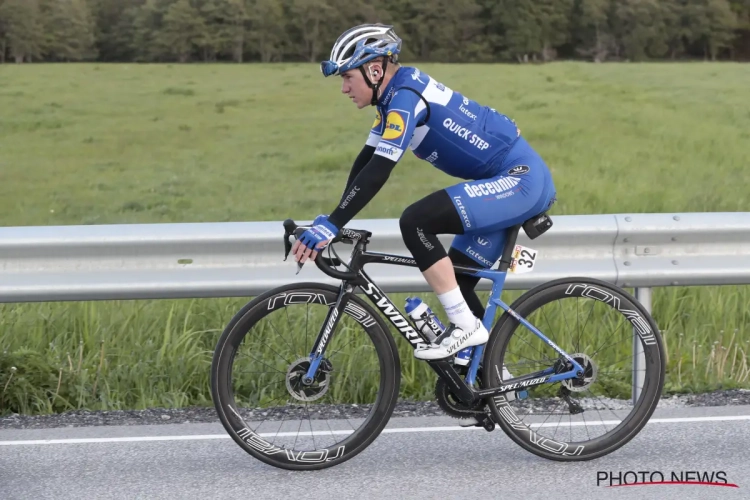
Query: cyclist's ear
[375, 68]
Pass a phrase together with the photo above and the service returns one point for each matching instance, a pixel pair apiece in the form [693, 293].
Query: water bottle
[427, 323]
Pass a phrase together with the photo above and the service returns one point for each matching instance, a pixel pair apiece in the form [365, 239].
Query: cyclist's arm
[363, 189]
[394, 139]
[359, 163]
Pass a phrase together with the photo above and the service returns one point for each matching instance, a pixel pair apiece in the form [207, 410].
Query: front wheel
[580, 418]
[259, 366]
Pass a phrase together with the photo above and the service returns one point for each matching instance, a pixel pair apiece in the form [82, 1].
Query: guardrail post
[643, 295]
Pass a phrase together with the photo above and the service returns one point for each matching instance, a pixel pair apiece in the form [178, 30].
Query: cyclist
[505, 181]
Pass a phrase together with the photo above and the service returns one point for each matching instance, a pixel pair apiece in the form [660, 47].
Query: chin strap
[374, 86]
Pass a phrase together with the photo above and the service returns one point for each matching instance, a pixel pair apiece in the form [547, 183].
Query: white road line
[397, 430]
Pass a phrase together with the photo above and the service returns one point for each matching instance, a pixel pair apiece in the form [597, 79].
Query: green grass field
[125, 143]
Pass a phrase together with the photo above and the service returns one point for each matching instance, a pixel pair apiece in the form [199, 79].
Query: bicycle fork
[324, 336]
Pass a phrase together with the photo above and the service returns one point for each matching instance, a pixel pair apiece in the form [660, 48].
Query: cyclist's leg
[517, 196]
[422, 221]
[467, 283]
[420, 224]
[479, 213]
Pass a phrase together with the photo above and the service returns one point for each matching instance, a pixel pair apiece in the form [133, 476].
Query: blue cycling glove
[320, 219]
[322, 230]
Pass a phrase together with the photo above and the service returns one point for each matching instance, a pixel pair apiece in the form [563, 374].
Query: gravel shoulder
[152, 416]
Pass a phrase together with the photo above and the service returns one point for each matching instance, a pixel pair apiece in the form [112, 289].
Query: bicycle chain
[452, 406]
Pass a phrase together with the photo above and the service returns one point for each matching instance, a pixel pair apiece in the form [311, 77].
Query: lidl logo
[394, 126]
[378, 119]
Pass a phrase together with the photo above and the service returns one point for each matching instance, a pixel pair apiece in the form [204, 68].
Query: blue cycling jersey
[455, 134]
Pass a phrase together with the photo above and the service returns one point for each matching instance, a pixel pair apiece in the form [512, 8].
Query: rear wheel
[585, 418]
[258, 367]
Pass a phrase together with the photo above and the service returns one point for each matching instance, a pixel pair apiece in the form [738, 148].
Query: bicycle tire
[503, 331]
[256, 446]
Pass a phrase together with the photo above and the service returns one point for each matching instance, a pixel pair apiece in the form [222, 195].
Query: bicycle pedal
[485, 421]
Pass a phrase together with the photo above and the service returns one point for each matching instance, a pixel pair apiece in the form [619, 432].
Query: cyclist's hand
[314, 239]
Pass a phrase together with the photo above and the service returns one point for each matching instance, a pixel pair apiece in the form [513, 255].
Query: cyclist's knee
[410, 217]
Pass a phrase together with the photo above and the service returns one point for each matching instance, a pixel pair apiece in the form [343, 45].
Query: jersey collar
[388, 90]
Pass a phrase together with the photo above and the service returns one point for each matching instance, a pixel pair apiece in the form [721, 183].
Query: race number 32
[523, 259]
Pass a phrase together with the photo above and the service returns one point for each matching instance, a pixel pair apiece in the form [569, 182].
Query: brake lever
[290, 229]
[287, 249]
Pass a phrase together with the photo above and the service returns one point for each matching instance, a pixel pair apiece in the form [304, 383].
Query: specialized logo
[461, 341]
[494, 187]
[400, 260]
[415, 75]
[466, 134]
[327, 332]
[519, 170]
[519, 385]
[462, 211]
[392, 314]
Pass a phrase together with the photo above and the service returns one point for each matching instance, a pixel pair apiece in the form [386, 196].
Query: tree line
[432, 30]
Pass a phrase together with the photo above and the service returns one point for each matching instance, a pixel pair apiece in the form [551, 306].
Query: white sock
[458, 311]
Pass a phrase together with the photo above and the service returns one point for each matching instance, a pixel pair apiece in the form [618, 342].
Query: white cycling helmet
[360, 44]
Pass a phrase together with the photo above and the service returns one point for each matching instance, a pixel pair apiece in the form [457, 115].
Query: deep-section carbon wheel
[592, 415]
[259, 369]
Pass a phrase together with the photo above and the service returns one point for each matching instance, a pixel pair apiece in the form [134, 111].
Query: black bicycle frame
[444, 368]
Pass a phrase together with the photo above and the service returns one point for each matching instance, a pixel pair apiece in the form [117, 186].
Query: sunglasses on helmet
[328, 68]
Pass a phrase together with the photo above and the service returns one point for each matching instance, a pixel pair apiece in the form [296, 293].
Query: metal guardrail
[186, 260]
[200, 260]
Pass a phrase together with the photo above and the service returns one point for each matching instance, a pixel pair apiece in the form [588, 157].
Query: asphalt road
[417, 457]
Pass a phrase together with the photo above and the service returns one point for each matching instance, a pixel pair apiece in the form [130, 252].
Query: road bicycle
[293, 401]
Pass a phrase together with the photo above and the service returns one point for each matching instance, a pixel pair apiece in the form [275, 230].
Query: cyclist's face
[353, 85]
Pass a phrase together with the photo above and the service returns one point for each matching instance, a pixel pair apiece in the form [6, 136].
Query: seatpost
[510, 244]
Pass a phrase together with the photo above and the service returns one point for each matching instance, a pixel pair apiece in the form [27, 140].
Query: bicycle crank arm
[444, 369]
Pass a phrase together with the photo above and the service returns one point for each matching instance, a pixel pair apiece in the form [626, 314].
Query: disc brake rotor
[308, 392]
[589, 374]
